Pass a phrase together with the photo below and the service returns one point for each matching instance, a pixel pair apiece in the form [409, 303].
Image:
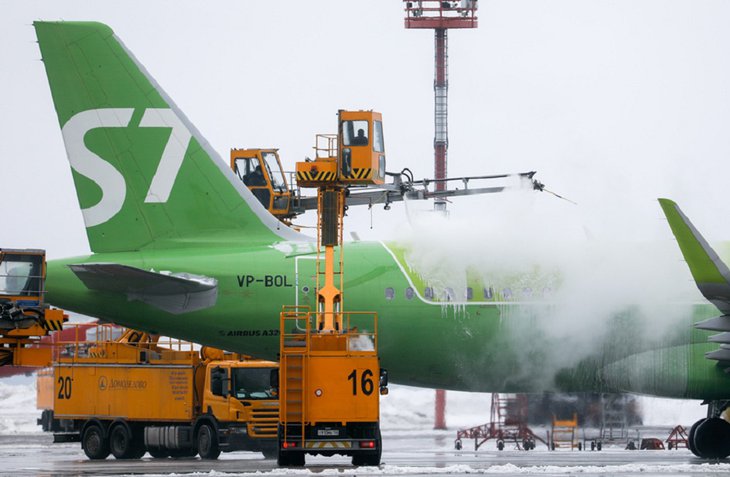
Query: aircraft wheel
[691, 437]
[712, 438]
[94, 444]
[208, 447]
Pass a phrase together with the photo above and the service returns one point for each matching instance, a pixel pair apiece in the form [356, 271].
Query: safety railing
[359, 334]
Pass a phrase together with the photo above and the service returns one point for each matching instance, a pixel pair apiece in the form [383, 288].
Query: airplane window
[450, 295]
[389, 293]
[355, 133]
[527, 291]
[409, 293]
[469, 293]
[507, 293]
[428, 293]
[488, 293]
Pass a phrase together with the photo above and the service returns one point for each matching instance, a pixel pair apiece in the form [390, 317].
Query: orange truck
[134, 395]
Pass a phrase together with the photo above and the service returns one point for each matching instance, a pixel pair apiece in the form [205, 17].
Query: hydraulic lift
[330, 376]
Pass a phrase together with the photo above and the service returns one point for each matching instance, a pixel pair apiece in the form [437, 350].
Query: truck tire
[95, 446]
[208, 447]
[122, 443]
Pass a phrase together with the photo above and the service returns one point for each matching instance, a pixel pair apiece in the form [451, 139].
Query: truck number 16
[366, 383]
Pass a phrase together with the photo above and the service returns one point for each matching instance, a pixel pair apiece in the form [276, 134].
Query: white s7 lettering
[172, 156]
[88, 164]
[105, 175]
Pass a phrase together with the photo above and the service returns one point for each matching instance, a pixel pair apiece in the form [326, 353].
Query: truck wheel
[208, 442]
[93, 442]
[122, 444]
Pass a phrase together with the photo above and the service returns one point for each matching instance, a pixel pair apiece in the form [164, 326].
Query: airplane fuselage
[476, 345]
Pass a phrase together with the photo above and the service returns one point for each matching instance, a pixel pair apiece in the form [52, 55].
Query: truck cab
[242, 404]
[355, 156]
[22, 275]
[260, 170]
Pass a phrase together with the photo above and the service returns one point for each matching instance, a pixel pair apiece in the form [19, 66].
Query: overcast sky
[614, 103]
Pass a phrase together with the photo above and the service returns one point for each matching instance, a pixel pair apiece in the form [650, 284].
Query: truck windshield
[274, 170]
[20, 274]
[252, 383]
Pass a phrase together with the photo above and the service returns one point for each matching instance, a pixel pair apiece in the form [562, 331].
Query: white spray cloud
[581, 293]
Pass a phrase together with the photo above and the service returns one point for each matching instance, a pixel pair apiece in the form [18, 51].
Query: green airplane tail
[144, 175]
[708, 270]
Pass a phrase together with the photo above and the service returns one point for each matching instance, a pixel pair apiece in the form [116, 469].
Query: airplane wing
[710, 274]
[175, 293]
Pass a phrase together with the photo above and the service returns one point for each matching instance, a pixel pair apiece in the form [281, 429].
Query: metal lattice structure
[509, 424]
[441, 16]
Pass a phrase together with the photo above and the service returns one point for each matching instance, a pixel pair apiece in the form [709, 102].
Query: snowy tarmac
[405, 454]
[411, 446]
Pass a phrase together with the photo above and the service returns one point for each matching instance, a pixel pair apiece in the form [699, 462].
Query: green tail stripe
[705, 265]
[143, 173]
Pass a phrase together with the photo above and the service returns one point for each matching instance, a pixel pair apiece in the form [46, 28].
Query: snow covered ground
[412, 447]
[405, 408]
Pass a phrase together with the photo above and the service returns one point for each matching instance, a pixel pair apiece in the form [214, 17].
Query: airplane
[181, 247]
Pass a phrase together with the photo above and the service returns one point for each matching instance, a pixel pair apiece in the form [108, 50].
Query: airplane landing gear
[709, 438]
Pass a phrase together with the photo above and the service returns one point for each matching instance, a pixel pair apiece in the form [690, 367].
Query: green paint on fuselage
[466, 346]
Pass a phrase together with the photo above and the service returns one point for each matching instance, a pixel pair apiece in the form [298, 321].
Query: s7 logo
[105, 175]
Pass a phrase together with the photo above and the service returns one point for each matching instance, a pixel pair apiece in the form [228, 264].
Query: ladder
[563, 433]
[293, 355]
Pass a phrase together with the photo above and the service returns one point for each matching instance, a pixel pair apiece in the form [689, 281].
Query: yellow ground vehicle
[24, 317]
[354, 158]
[329, 364]
[135, 395]
[260, 170]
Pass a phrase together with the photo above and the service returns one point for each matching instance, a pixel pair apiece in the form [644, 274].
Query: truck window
[252, 383]
[272, 167]
[355, 133]
[20, 275]
[218, 379]
[249, 171]
[378, 145]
